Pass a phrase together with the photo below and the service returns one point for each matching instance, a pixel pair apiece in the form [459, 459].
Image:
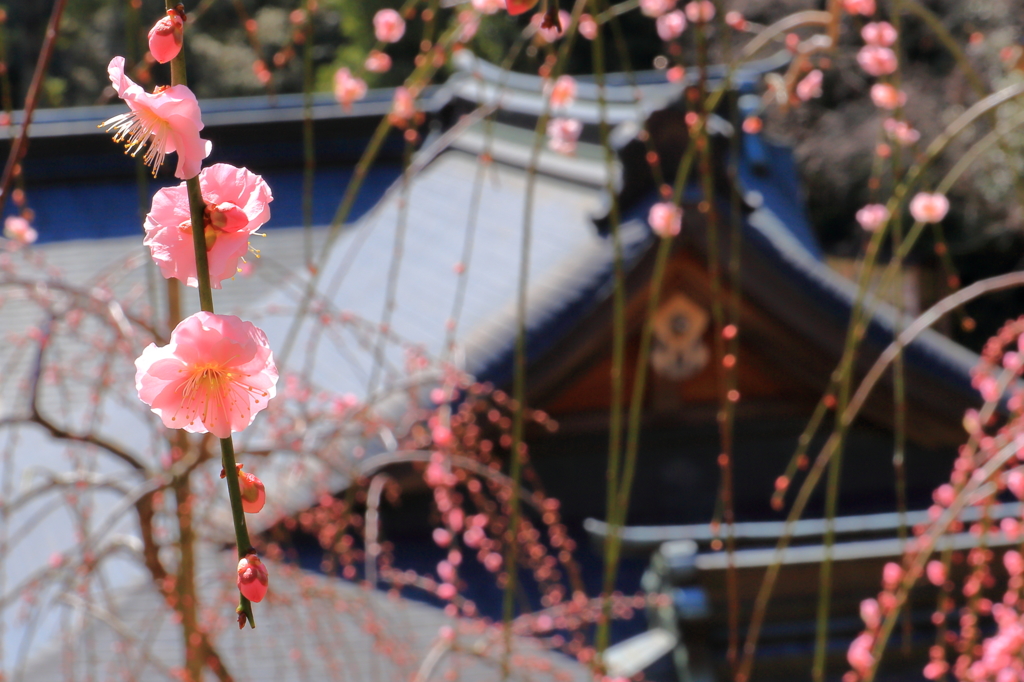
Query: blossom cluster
[217, 371]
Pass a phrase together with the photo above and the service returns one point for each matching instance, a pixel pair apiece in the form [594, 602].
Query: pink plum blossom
[237, 204]
[563, 92]
[859, 654]
[700, 11]
[488, 6]
[587, 27]
[877, 60]
[403, 107]
[563, 134]
[872, 216]
[736, 20]
[892, 574]
[17, 229]
[253, 578]
[901, 131]
[671, 25]
[216, 373]
[879, 33]
[885, 96]
[666, 219]
[162, 123]
[388, 26]
[165, 37]
[376, 62]
[863, 7]
[871, 614]
[655, 8]
[469, 24]
[348, 88]
[929, 207]
[810, 86]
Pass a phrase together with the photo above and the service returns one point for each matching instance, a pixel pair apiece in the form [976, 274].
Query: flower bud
[254, 495]
[165, 36]
[253, 578]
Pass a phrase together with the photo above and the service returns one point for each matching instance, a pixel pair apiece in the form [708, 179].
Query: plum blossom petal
[388, 26]
[253, 578]
[216, 373]
[237, 205]
[929, 207]
[165, 37]
[161, 123]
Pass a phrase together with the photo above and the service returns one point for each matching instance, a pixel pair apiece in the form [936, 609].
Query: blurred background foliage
[834, 137]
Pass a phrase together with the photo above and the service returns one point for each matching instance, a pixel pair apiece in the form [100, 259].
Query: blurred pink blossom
[237, 205]
[17, 229]
[736, 20]
[872, 216]
[671, 25]
[388, 26]
[700, 11]
[563, 133]
[488, 6]
[901, 131]
[665, 219]
[551, 33]
[348, 88]
[810, 86]
[214, 376]
[253, 578]
[655, 8]
[936, 572]
[886, 96]
[879, 33]
[563, 92]
[165, 37]
[162, 123]
[864, 7]
[376, 62]
[588, 27]
[929, 207]
[877, 60]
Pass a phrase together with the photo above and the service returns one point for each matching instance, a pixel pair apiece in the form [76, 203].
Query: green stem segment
[197, 209]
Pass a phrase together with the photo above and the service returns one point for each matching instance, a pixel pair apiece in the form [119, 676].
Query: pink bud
[348, 88]
[442, 538]
[1014, 562]
[864, 7]
[253, 578]
[446, 571]
[446, 591]
[1015, 482]
[736, 20]
[587, 27]
[1010, 527]
[254, 495]
[886, 96]
[165, 37]
[870, 613]
[944, 495]
[19, 230]
[892, 573]
[700, 11]
[493, 562]
[656, 8]
[936, 572]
